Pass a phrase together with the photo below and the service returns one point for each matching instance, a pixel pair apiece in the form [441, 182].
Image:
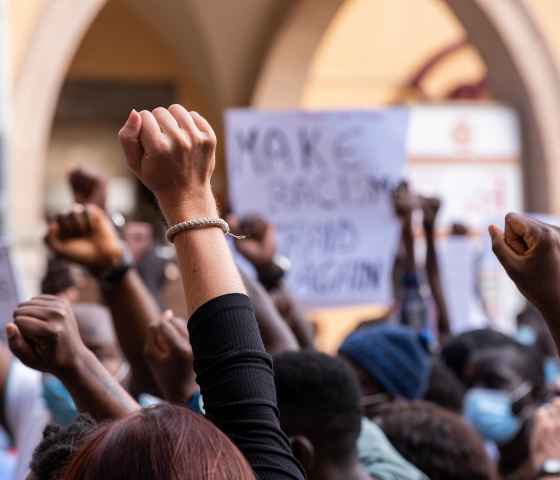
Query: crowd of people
[100, 380]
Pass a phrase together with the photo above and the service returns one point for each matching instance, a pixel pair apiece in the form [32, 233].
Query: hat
[393, 356]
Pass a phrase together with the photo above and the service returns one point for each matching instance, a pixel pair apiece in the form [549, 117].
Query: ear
[304, 451]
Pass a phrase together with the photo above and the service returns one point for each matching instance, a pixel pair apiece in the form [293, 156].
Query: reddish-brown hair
[163, 442]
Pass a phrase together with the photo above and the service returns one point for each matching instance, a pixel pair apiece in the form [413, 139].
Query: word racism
[302, 170]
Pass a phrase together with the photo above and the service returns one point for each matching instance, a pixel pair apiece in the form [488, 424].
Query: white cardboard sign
[324, 179]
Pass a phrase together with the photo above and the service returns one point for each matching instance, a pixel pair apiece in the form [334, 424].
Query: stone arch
[521, 73]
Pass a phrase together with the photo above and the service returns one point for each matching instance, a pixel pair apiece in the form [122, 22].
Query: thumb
[129, 136]
[18, 345]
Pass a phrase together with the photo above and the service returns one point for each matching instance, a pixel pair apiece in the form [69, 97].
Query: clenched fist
[530, 253]
[44, 335]
[170, 358]
[172, 152]
[86, 236]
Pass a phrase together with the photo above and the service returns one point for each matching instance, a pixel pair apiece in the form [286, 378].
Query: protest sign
[460, 263]
[324, 180]
[467, 155]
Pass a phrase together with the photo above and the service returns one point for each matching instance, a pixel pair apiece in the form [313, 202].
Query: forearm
[434, 280]
[204, 257]
[96, 391]
[133, 309]
[551, 313]
[276, 334]
[408, 242]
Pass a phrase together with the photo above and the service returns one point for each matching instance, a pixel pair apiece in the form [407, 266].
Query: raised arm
[45, 337]
[86, 236]
[275, 332]
[529, 251]
[172, 151]
[259, 247]
[430, 209]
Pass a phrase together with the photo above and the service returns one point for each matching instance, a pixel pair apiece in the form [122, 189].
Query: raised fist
[430, 209]
[44, 335]
[530, 253]
[88, 187]
[86, 236]
[405, 201]
[172, 152]
[259, 245]
[170, 358]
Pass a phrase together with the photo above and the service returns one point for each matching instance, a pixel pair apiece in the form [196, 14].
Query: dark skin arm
[529, 251]
[170, 357]
[45, 337]
[260, 248]
[405, 202]
[294, 316]
[430, 208]
[134, 309]
[86, 236]
[276, 334]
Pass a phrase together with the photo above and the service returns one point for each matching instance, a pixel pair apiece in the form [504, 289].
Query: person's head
[319, 403]
[388, 359]
[457, 351]
[139, 236]
[57, 447]
[61, 278]
[506, 385]
[439, 442]
[444, 388]
[97, 332]
[164, 442]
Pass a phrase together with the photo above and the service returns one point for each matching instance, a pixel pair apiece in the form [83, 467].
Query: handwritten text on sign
[324, 179]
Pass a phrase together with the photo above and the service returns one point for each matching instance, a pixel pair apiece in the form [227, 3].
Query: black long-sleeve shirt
[237, 383]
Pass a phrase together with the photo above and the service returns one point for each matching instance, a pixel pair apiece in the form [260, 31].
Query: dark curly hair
[58, 446]
[319, 397]
[439, 442]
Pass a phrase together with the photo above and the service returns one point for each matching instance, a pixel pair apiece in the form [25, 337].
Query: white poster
[460, 264]
[324, 180]
[468, 155]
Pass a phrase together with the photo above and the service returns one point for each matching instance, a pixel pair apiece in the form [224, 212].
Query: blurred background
[71, 70]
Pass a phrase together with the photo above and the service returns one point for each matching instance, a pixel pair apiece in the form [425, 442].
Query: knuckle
[158, 110]
[206, 143]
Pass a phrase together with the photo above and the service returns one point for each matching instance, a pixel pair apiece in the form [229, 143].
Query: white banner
[324, 179]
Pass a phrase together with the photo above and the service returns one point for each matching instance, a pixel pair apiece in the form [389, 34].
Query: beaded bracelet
[199, 223]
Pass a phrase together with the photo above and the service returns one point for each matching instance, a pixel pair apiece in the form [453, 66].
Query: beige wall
[373, 47]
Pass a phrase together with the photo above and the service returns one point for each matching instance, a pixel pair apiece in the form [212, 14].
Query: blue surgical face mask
[552, 370]
[526, 335]
[491, 413]
[59, 401]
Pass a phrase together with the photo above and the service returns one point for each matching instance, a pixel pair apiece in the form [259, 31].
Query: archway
[521, 73]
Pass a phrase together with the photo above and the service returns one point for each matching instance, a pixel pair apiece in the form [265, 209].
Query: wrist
[74, 371]
[176, 210]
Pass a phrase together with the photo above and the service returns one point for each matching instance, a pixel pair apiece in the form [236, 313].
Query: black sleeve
[237, 384]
